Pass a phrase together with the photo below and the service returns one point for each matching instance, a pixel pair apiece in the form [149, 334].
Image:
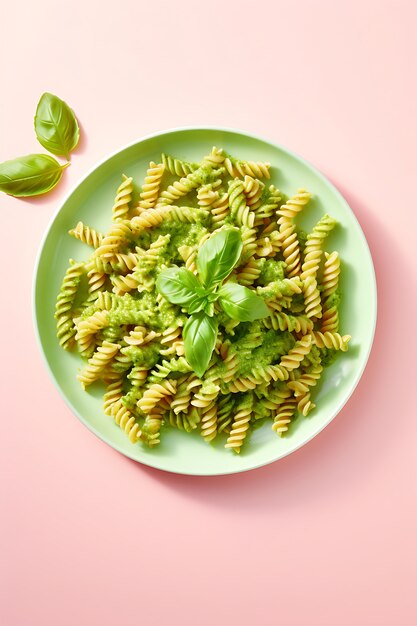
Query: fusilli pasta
[110, 309]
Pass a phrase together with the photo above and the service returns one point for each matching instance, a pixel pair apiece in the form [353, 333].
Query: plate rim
[327, 182]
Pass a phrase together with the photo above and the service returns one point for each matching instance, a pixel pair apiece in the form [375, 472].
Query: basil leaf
[180, 286]
[56, 126]
[30, 175]
[199, 304]
[240, 303]
[218, 256]
[200, 332]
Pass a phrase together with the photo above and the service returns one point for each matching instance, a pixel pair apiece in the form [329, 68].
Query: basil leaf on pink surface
[30, 175]
[56, 126]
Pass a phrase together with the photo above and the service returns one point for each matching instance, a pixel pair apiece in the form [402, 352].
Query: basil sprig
[200, 332]
[57, 130]
[30, 175]
[56, 126]
[197, 295]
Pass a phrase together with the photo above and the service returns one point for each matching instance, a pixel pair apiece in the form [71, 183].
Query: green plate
[91, 202]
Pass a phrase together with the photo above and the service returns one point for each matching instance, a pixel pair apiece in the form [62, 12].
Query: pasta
[123, 198]
[109, 307]
[150, 189]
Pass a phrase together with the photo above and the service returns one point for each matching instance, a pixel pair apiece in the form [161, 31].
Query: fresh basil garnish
[200, 332]
[56, 126]
[218, 256]
[30, 175]
[216, 259]
[240, 303]
[180, 286]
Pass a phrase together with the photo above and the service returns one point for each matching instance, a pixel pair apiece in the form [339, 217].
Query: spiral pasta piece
[140, 336]
[104, 301]
[178, 167]
[164, 369]
[208, 423]
[114, 392]
[290, 245]
[127, 422]
[189, 256]
[188, 214]
[122, 362]
[280, 288]
[63, 310]
[256, 169]
[304, 404]
[148, 219]
[268, 204]
[230, 362]
[86, 330]
[284, 416]
[253, 189]
[207, 196]
[330, 278]
[294, 357]
[290, 248]
[249, 273]
[181, 401]
[205, 396]
[92, 324]
[330, 320]
[87, 235]
[120, 263]
[120, 210]
[283, 321]
[259, 375]
[293, 206]
[302, 385]
[180, 188]
[240, 425]
[270, 372]
[97, 280]
[118, 235]
[220, 209]
[215, 158]
[154, 393]
[239, 211]
[268, 245]
[185, 421]
[225, 405]
[151, 427]
[329, 285]
[244, 383]
[172, 341]
[124, 284]
[249, 243]
[314, 246]
[312, 300]
[98, 362]
[139, 279]
[138, 376]
[331, 340]
[150, 188]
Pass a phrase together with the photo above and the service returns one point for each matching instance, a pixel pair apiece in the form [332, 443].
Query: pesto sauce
[182, 234]
[143, 356]
[260, 347]
[333, 299]
[328, 356]
[271, 271]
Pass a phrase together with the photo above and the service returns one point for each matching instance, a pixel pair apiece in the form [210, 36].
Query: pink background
[325, 537]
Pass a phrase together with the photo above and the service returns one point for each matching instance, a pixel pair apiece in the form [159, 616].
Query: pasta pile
[131, 336]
